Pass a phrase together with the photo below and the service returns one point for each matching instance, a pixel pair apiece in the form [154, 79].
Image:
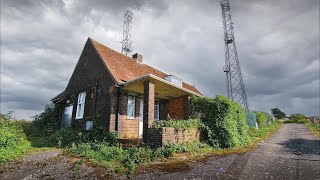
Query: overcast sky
[277, 41]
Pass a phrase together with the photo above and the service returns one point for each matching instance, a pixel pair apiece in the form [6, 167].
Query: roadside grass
[314, 128]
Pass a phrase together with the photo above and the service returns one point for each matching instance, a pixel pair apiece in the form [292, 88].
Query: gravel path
[291, 153]
[51, 164]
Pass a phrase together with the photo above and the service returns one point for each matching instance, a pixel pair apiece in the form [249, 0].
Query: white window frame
[156, 111]
[80, 105]
[134, 107]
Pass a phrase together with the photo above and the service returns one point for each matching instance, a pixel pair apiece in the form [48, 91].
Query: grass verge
[314, 128]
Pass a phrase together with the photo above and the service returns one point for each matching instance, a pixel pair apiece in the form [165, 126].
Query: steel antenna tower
[235, 86]
[126, 41]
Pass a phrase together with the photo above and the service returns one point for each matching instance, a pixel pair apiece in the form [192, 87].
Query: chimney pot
[138, 57]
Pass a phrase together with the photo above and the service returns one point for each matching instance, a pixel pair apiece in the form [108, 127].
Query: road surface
[291, 153]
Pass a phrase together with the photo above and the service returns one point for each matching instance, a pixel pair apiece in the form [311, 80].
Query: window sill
[131, 118]
[79, 118]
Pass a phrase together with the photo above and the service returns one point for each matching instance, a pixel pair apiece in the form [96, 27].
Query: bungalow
[113, 91]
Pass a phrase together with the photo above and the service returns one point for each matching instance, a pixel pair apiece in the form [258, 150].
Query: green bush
[178, 124]
[118, 158]
[299, 118]
[66, 136]
[261, 119]
[224, 121]
[13, 141]
[48, 120]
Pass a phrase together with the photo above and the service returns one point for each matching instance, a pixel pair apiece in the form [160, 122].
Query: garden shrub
[13, 141]
[66, 136]
[48, 120]
[178, 124]
[224, 121]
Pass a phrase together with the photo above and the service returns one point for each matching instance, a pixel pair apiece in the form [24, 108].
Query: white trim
[134, 107]
[80, 105]
[162, 80]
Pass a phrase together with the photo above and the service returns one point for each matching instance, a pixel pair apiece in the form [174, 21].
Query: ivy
[224, 122]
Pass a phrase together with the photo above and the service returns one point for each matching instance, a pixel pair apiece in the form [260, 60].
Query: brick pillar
[148, 108]
[186, 106]
[113, 107]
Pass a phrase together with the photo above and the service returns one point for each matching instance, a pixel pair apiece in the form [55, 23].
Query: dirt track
[291, 153]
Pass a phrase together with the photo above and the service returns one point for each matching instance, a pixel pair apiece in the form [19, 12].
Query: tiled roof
[124, 68]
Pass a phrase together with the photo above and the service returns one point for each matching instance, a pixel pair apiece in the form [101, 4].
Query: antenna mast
[235, 86]
[126, 42]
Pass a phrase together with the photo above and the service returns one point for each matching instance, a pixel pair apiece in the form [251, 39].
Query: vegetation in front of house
[178, 124]
[126, 159]
[13, 141]
[224, 121]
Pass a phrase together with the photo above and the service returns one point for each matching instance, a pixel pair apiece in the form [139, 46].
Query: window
[131, 106]
[156, 111]
[80, 105]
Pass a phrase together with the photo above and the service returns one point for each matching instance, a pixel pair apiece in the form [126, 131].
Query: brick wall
[178, 108]
[168, 135]
[90, 75]
[128, 127]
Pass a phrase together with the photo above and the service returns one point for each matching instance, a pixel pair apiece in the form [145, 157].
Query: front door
[141, 118]
[66, 117]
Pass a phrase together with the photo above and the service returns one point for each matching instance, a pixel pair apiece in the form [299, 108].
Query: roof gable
[124, 68]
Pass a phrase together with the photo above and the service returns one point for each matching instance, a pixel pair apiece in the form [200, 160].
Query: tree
[278, 113]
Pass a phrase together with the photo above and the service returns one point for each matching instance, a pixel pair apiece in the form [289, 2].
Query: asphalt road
[291, 153]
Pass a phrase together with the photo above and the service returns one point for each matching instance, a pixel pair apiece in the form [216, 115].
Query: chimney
[138, 57]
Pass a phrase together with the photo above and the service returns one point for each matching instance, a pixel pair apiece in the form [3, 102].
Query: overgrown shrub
[178, 124]
[66, 136]
[116, 156]
[13, 141]
[224, 121]
[48, 120]
[299, 118]
[261, 118]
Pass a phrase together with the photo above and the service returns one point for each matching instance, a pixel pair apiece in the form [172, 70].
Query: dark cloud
[277, 41]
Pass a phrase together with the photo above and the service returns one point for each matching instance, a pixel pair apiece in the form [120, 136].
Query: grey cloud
[278, 46]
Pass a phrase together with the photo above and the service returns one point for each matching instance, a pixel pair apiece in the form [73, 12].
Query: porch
[144, 100]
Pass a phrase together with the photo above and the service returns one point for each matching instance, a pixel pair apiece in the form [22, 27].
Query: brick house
[113, 91]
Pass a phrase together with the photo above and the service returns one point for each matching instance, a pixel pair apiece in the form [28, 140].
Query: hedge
[224, 121]
[263, 119]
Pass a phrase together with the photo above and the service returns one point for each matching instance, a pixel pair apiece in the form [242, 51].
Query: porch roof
[163, 89]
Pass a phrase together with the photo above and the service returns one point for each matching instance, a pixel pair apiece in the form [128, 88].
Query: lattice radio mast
[235, 86]
[126, 41]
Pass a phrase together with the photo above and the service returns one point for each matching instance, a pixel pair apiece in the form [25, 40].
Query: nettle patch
[224, 122]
